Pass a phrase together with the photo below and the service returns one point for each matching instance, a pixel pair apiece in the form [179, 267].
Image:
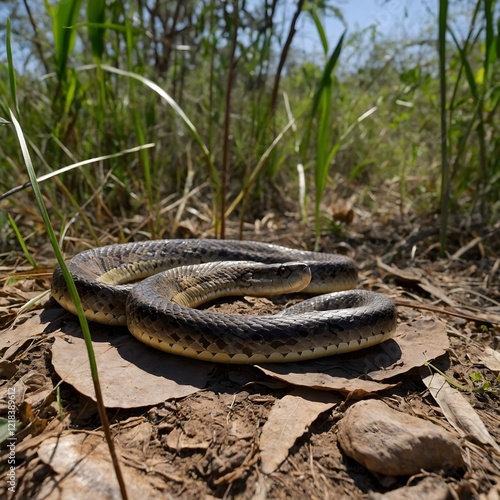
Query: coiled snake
[159, 310]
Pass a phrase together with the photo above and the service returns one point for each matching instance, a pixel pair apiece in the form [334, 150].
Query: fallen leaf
[32, 422]
[314, 378]
[33, 388]
[417, 276]
[178, 441]
[16, 337]
[83, 469]
[458, 411]
[137, 437]
[491, 359]
[289, 419]
[131, 374]
[419, 341]
[363, 372]
[14, 298]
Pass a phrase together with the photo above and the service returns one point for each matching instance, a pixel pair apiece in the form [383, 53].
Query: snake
[154, 287]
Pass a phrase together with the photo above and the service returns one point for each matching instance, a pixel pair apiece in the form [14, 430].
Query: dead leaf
[458, 411]
[131, 373]
[313, 377]
[361, 373]
[289, 419]
[419, 341]
[13, 298]
[83, 469]
[16, 337]
[137, 437]
[417, 276]
[178, 441]
[33, 388]
[491, 359]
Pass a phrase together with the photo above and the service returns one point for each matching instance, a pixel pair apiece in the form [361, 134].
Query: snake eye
[285, 271]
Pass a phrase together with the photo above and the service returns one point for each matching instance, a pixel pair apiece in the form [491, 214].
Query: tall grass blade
[445, 174]
[21, 241]
[62, 170]
[12, 75]
[64, 16]
[469, 74]
[72, 288]
[74, 297]
[96, 16]
[325, 79]
[490, 36]
[171, 102]
[322, 105]
[320, 29]
[214, 175]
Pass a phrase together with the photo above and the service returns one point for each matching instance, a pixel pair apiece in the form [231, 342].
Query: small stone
[430, 488]
[392, 443]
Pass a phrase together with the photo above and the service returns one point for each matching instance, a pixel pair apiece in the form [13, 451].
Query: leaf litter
[202, 429]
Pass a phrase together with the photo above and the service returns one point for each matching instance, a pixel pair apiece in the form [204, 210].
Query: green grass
[23, 146]
[355, 128]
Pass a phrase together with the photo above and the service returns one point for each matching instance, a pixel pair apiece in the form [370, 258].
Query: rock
[430, 488]
[392, 443]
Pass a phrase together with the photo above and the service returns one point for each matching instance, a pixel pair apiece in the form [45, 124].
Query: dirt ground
[209, 443]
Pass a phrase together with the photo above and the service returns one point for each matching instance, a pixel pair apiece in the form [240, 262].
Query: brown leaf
[289, 419]
[362, 372]
[491, 359]
[16, 337]
[83, 470]
[33, 424]
[416, 276]
[137, 437]
[178, 441]
[458, 411]
[32, 388]
[312, 376]
[14, 298]
[419, 341]
[131, 373]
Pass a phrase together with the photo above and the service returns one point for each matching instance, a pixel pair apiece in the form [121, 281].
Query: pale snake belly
[178, 275]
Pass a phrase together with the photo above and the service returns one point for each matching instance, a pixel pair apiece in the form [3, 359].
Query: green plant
[479, 383]
[322, 109]
[69, 280]
[87, 110]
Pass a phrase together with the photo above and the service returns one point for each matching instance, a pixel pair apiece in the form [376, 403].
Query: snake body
[178, 275]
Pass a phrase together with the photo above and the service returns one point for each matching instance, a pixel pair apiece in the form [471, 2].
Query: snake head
[196, 284]
[271, 279]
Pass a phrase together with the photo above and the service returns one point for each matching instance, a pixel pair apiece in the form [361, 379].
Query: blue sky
[395, 19]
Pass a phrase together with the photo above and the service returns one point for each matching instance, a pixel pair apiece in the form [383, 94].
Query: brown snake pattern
[180, 274]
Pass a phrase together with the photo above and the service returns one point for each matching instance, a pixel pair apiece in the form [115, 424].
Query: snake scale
[174, 276]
